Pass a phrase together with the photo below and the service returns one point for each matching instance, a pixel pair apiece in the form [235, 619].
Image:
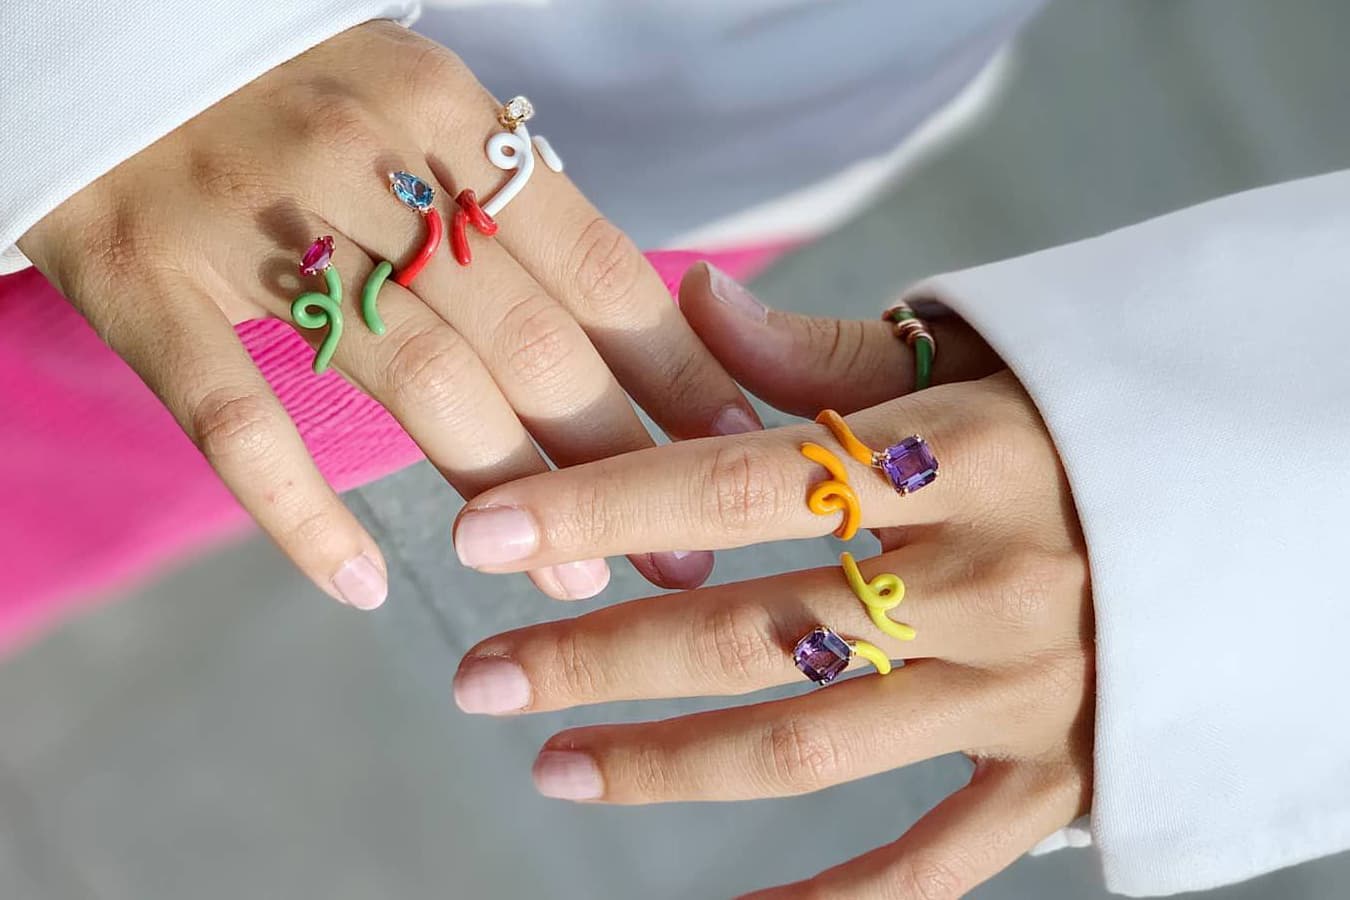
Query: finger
[180, 344]
[607, 285]
[860, 727]
[802, 364]
[730, 639]
[601, 277]
[1005, 810]
[433, 383]
[541, 361]
[733, 491]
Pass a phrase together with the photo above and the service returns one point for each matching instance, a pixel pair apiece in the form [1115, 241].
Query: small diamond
[413, 191]
[318, 257]
[909, 465]
[516, 111]
[822, 655]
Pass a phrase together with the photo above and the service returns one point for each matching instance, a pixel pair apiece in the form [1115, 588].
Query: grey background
[227, 732]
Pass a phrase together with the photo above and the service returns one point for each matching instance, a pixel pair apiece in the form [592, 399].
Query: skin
[537, 341]
[997, 588]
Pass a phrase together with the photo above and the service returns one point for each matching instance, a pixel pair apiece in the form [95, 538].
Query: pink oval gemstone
[318, 256]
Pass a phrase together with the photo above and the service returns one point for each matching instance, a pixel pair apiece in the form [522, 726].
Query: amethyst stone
[909, 464]
[822, 655]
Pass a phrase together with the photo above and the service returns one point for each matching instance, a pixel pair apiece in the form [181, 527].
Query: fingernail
[565, 775]
[360, 583]
[683, 567]
[582, 580]
[736, 295]
[493, 537]
[491, 685]
[734, 420]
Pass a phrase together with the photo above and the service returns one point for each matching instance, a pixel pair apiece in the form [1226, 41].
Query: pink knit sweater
[100, 488]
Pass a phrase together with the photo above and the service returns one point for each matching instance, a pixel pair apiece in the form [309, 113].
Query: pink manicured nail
[734, 420]
[491, 685]
[582, 580]
[360, 583]
[565, 775]
[735, 295]
[494, 537]
[683, 567]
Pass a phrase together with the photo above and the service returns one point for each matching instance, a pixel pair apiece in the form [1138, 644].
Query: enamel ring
[316, 310]
[914, 332]
[418, 196]
[880, 595]
[834, 494]
[822, 655]
[512, 150]
[909, 465]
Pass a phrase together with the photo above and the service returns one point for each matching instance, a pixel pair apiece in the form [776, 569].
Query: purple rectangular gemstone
[909, 464]
[822, 655]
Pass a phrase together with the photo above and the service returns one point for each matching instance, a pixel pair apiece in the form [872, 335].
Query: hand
[540, 337]
[996, 586]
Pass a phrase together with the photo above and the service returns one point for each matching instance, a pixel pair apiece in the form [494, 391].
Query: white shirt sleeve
[85, 85]
[1195, 374]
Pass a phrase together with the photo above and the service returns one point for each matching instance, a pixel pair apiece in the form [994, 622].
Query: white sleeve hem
[1192, 371]
[85, 92]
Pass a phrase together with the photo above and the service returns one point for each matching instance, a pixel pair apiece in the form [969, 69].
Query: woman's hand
[996, 587]
[539, 337]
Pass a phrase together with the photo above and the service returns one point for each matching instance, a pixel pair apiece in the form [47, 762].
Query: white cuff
[89, 85]
[1194, 373]
[1076, 834]
[12, 260]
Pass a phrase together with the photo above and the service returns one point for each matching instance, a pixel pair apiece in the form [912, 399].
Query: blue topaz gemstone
[822, 655]
[909, 465]
[413, 191]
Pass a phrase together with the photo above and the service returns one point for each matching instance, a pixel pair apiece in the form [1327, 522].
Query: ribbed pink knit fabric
[99, 487]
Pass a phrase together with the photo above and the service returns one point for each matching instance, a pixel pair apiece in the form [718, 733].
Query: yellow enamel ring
[822, 655]
[880, 595]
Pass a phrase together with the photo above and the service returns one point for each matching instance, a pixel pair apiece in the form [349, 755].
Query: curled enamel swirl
[316, 310]
[880, 595]
[835, 494]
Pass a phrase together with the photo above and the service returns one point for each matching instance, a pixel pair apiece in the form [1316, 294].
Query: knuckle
[424, 368]
[801, 755]
[576, 671]
[333, 120]
[1002, 440]
[687, 381]
[587, 515]
[542, 344]
[606, 266]
[312, 530]
[746, 490]
[228, 425]
[737, 639]
[124, 246]
[1012, 592]
[1026, 588]
[650, 772]
[925, 876]
[844, 340]
[434, 74]
[115, 325]
[230, 178]
[1064, 676]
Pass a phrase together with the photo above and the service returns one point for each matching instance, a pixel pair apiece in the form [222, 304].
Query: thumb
[803, 364]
